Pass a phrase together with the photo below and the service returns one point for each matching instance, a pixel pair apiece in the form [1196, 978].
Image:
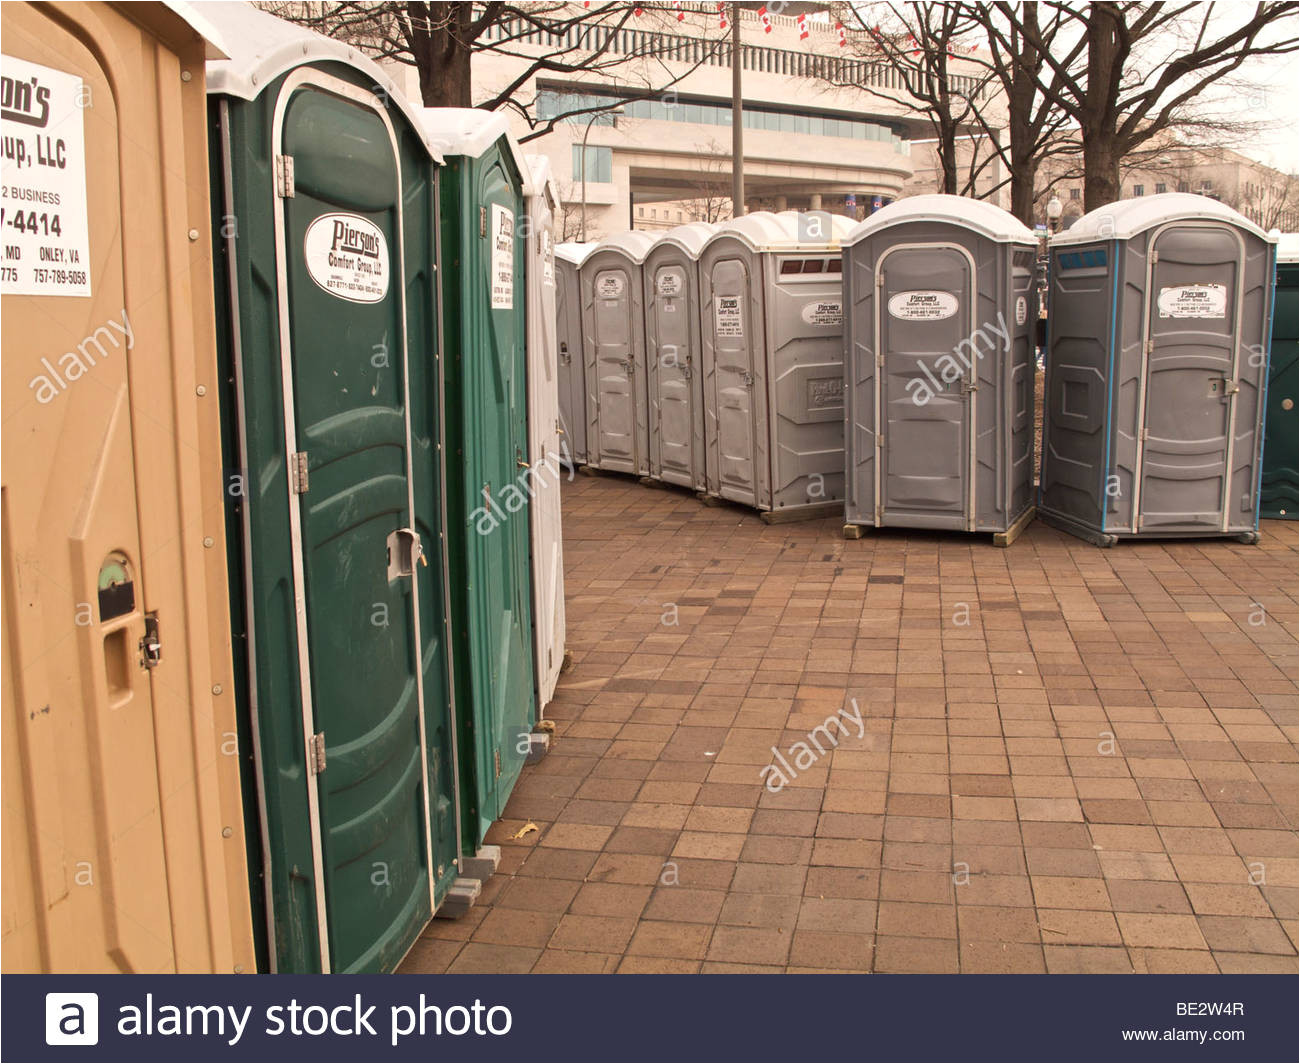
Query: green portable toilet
[488, 487]
[323, 206]
[1279, 496]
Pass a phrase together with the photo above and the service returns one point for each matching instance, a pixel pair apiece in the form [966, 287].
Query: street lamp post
[1054, 211]
[583, 162]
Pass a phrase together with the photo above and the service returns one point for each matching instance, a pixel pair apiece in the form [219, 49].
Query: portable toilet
[1156, 368]
[123, 823]
[613, 330]
[323, 209]
[1278, 484]
[771, 329]
[545, 442]
[939, 368]
[572, 372]
[483, 323]
[673, 359]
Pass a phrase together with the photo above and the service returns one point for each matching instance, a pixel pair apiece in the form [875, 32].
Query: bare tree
[918, 43]
[709, 199]
[440, 40]
[1146, 66]
[1036, 123]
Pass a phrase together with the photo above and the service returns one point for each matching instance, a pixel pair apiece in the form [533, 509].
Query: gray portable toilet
[571, 374]
[939, 368]
[672, 336]
[613, 333]
[771, 309]
[1156, 366]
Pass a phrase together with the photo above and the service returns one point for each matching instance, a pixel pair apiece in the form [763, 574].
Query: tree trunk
[441, 49]
[1024, 176]
[1100, 170]
[1100, 120]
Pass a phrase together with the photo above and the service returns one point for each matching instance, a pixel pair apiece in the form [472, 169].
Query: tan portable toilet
[123, 831]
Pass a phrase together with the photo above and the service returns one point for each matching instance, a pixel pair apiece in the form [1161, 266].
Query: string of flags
[802, 23]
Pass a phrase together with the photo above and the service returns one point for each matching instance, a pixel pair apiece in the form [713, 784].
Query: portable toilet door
[1156, 371]
[483, 326]
[572, 373]
[1279, 483]
[673, 359]
[771, 306]
[323, 213]
[613, 330]
[940, 368]
[546, 445]
[124, 844]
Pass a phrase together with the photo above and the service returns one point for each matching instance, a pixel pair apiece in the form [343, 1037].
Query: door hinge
[150, 643]
[1139, 522]
[284, 176]
[880, 279]
[316, 755]
[298, 472]
[482, 221]
[496, 761]
[880, 440]
[1150, 346]
[1154, 257]
[1143, 435]
[880, 360]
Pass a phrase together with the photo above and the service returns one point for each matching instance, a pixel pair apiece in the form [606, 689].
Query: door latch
[565, 357]
[630, 366]
[686, 368]
[747, 378]
[404, 550]
[969, 386]
[150, 643]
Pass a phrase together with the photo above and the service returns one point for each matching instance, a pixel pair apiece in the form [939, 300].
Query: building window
[1183, 186]
[1139, 190]
[600, 163]
[1161, 187]
[640, 212]
[1074, 193]
[1206, 186]
[654, 213]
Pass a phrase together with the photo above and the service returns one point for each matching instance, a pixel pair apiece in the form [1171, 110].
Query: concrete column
[781, 203]
[815, 201]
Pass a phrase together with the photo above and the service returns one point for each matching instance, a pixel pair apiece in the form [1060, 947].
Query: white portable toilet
[572, 365]
[772, 342]
[1157, 365]
[939, 371]
[613, 331]
[545, 443]
[673, 358]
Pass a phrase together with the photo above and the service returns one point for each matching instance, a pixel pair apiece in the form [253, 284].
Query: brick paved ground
[986, 821]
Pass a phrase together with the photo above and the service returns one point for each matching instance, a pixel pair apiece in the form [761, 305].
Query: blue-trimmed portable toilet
[324, 214]
[1156, 370]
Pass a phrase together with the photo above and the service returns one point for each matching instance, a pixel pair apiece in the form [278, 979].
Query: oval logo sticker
[922, 306]
[347, 256]
[609, 286]
[823, 312]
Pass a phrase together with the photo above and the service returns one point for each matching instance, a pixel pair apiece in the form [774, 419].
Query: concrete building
[1264, 195]
[667, 159]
